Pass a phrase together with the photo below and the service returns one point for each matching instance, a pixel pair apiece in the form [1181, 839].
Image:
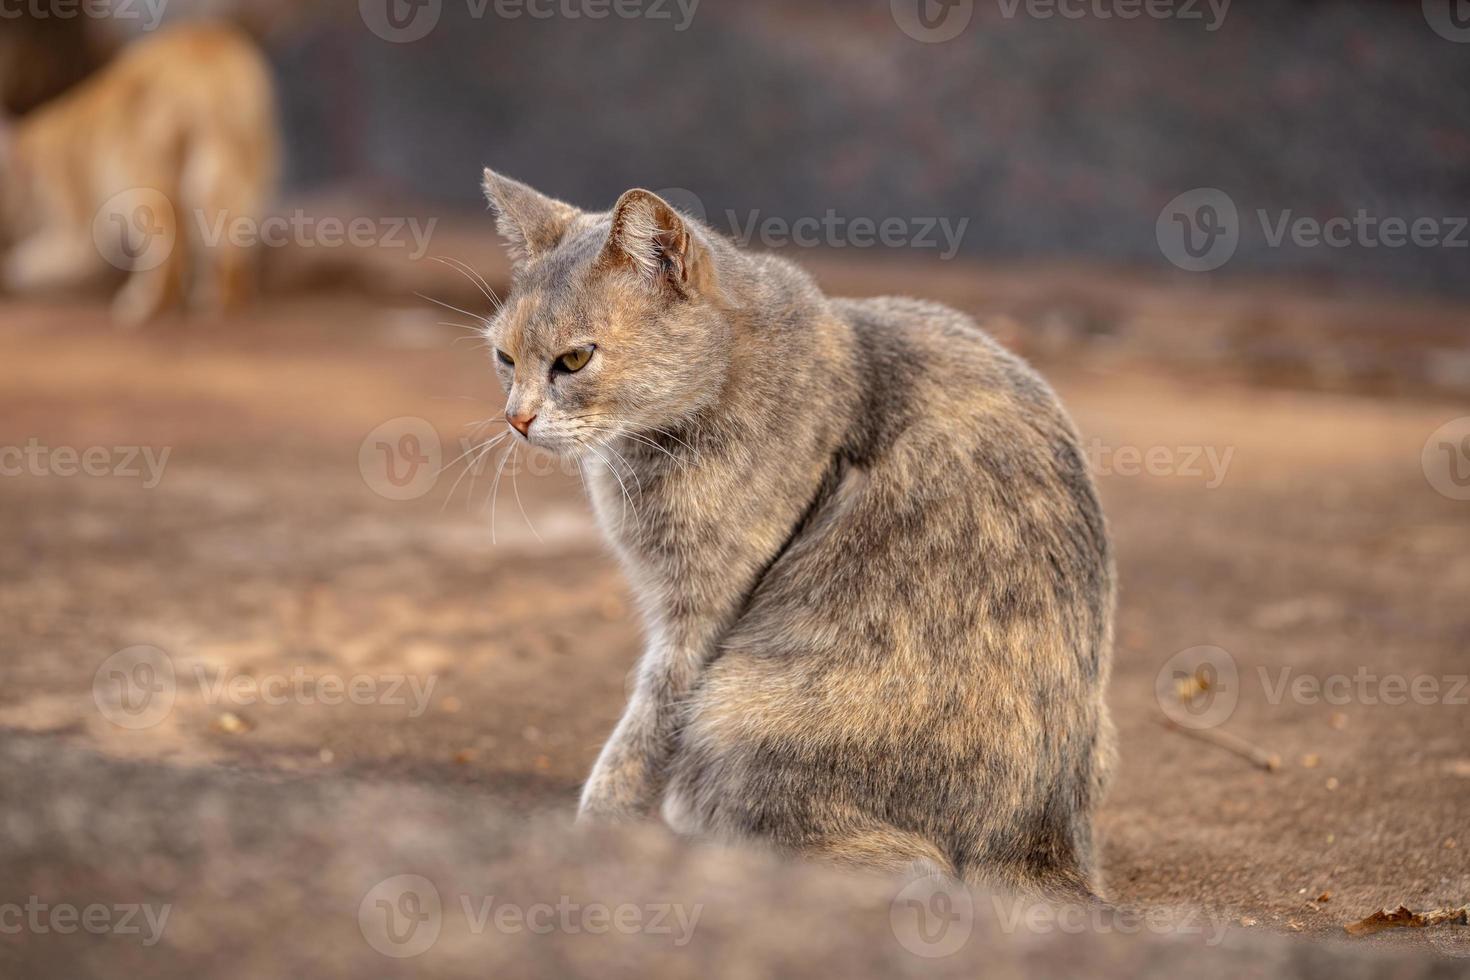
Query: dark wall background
[1060, 139]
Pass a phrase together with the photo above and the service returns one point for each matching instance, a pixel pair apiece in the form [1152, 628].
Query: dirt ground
[1293, 529]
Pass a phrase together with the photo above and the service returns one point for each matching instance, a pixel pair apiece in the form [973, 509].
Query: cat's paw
[593, 812]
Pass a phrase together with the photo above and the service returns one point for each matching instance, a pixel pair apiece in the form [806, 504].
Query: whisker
[515, 485]
[653, 445]
[474, 277]
[495, 490]
[462, 326]
[449, 306]
[645, 440]
[627, 498]
[471, 467]
[470, 450]
[633, 435]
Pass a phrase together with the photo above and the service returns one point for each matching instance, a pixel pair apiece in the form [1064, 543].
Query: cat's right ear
[531, 223]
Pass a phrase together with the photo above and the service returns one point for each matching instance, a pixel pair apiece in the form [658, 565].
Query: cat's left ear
[531, 223]
[655, 241]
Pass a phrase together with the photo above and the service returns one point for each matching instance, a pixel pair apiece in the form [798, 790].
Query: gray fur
[875, 575]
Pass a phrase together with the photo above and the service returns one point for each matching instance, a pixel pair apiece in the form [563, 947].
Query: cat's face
[612, 328]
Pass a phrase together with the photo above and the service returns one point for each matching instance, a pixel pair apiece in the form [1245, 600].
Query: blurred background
[1234, 238]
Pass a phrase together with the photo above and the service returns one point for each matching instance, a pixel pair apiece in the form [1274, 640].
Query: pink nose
[522, 423]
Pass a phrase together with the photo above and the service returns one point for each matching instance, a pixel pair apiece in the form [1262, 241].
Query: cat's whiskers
[515, 485]
[495, 490]
[627, 499]
[472, 448]
[450, 306]
[464, 269]
[473, 466]
[635, 436]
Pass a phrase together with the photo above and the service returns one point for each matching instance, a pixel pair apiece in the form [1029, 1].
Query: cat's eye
[505, 358]
[573, 361]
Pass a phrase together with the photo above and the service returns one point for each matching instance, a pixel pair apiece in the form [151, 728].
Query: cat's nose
[522, 423]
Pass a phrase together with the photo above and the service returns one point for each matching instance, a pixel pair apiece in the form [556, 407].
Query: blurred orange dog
[136, 165]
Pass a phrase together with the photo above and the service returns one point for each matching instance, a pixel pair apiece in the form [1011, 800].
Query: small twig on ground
[1403, 918]
[1253, 754]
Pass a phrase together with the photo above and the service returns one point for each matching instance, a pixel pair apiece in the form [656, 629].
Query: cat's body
[176, 135]
[873, 566]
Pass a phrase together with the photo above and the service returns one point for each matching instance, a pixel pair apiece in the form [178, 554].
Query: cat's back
[925, 369]
[193, 76]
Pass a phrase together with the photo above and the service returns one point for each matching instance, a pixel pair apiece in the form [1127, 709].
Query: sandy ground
[318, 631]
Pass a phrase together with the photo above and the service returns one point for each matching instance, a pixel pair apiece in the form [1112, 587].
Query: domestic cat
[174, 137]
[875, 576]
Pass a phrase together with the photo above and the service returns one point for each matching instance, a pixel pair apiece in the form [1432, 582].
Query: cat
[176, 135]
[875, 575]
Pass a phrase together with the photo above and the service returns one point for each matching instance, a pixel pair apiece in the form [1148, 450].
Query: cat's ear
[531, 223]
[651, 238]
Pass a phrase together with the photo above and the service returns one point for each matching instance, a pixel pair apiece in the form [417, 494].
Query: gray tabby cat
[875, 576]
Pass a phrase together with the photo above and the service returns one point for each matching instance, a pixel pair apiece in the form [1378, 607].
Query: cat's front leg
[628, 780]
[625, 781]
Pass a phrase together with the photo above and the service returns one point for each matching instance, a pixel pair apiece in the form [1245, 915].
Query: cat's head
[615, 323]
